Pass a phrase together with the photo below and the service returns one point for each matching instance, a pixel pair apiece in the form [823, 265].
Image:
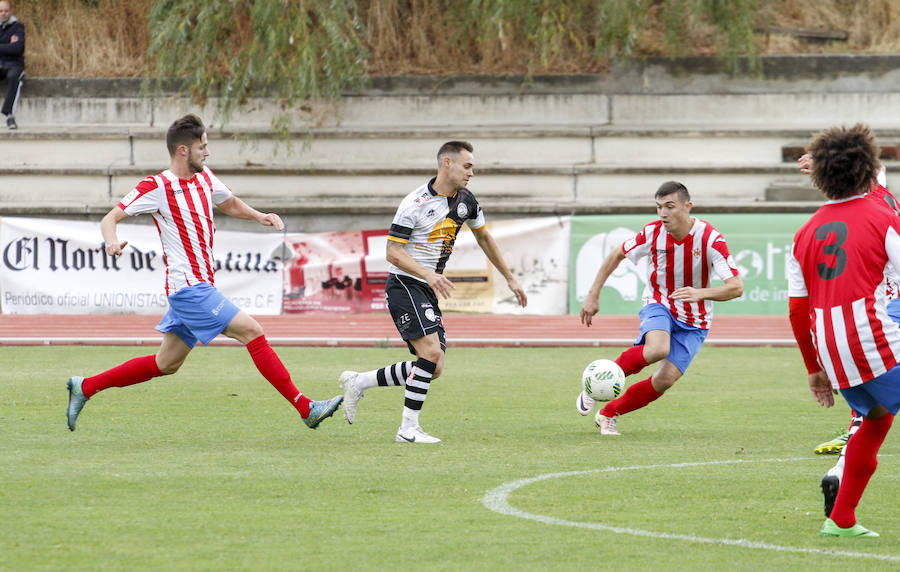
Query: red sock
[132, 371]
[632, 360]
[859, 465]
[271, 367]
[636, 396]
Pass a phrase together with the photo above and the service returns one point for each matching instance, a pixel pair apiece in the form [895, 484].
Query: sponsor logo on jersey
[130, 197]
[462, 210]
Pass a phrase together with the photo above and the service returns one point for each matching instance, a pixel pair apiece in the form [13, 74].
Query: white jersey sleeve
[721, 260]
[220, 192]
[144, 198]
[639, 245]
[796, 283]
[477, 221]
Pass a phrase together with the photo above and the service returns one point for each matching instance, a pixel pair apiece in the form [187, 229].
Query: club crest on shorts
[429, 313]
[462, 210]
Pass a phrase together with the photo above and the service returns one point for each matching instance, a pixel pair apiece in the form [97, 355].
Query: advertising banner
[536, 251]
[61, 267]
[759, 243]
[336, 271]
[347, 271]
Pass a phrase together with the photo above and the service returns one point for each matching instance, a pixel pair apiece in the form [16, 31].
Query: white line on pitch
[497, 500]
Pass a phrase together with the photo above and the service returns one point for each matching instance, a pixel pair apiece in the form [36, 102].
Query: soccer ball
[603, 379]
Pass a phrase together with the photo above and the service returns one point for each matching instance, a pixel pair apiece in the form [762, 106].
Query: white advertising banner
[537, 253]
[61, 267]
[346, 271]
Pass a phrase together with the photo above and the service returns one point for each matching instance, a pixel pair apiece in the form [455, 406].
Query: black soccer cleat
[830, 486]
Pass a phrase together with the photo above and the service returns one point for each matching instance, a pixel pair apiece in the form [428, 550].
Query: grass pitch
[210, 469]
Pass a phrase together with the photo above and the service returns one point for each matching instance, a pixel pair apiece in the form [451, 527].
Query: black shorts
[414, 308]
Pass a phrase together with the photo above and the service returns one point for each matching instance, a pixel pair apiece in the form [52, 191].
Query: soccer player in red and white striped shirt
[685, 253]
[838, 305]
[181, 200]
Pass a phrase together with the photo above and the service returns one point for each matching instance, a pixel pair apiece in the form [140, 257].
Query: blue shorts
[893, 310]
[198, 312]
[684, 341]
[883, 390]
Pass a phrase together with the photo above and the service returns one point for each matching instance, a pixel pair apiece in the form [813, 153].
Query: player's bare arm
[396, 254]
[730, 289]
[108, 229]
[239, 209]
[591, 304]
[489, 246]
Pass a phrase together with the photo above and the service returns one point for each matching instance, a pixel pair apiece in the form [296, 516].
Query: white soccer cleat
[584, 404]
[415, 435]
[352, 394]
[607, 425]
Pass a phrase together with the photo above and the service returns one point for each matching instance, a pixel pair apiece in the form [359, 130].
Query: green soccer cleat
[831, 529]
[833, 447]
[76, 400]
[322, 410]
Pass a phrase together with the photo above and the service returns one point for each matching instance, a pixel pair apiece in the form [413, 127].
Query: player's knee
[653, 354]
[168, 368]
[661, 383]
[248, 330]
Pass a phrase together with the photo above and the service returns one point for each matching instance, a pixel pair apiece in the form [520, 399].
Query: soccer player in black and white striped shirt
[420, 241]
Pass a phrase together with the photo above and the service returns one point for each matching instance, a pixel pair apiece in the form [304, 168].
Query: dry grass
[85, 38]
[109, 38]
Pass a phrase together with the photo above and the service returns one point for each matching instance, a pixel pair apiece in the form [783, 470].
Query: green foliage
[235, 51]
[551, 30]
[733, 21]
[299, 51]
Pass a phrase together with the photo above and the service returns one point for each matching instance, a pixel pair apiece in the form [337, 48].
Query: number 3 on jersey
[832, 248]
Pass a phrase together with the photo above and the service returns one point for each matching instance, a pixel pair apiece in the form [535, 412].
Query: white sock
[391, 375]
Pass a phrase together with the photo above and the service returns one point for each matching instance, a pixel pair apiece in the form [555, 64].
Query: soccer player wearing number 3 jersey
[420, 241]
[180, 200]
[684, 254]
[838, 305]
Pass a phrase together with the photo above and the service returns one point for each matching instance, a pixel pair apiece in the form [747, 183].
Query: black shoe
[11, 122]
[830, 486]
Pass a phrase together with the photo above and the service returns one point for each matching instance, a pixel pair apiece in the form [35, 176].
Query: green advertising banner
[759, 243]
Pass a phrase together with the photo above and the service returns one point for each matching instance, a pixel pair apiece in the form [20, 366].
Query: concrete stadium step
[589, 100]
[561, 145]
[509, 188]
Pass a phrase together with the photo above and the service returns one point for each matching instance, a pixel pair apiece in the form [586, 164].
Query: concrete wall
[549, 144]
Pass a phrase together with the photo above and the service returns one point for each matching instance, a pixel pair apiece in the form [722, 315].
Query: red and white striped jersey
[838, 261]
[677, 263]
[883, 197]
[183, 212]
